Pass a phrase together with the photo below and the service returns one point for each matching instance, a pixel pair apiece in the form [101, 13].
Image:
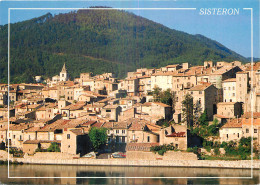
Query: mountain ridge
[114, 41]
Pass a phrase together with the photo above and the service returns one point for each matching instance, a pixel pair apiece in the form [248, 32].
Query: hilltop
[100, 41]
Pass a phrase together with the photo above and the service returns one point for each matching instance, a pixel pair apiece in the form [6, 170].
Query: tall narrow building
[64, 76]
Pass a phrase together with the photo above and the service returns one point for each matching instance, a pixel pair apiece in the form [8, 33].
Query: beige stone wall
[142, 137]
[229, 110]
[16, 138]
[247, 132]
[29, 148]
[182, 82]
[29, 136]
[51, 155]
[3, 136]
[40, 114]
[169, 155]
[245, 164]
[229, 91]
[69, 144]
[228, 134]
[4, 155]
[45, 136]
[242, 84]
[164, 82]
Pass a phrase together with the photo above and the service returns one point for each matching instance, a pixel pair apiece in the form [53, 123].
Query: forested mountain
[99, 41]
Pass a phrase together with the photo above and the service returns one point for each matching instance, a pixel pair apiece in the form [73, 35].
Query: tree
[168, 97]
[98, 137]
[197, 113]
[203, 119]
[156, 93]
[54, 147]
[2, 146]
[187, 110]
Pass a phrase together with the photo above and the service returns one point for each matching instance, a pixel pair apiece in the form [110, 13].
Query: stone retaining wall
[4, 155]
[169, 155]
[124, 162]
[51, 155]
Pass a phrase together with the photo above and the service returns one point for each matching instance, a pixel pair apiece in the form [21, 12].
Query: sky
[233, 31]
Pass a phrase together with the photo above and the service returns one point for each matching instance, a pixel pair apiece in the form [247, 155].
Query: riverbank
[55, 158]
[242, 164]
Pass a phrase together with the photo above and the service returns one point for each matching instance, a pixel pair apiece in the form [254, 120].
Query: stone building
[111, 112]
[138, 132]
[231, 131]
[242, 86]
[229, 109]
[157, 109]
[205, 97]
[176, 135]
[75, 141]
[229, 90]
[222, 74]
[162, 80]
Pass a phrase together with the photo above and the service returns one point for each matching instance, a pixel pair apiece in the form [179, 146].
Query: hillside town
[149, 108]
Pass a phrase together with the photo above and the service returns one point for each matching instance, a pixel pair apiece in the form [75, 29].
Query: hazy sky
[233, 31]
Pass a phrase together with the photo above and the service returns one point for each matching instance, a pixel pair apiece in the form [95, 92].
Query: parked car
[90, 155]
[118, 155]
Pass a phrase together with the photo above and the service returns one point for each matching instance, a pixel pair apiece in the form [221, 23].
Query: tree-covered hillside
[99, 41]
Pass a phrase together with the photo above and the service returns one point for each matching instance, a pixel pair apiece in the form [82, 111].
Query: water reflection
[107, 171]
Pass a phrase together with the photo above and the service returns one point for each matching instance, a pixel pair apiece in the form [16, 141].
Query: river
[76, 172]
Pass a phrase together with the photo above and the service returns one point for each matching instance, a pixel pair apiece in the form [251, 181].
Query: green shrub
[216, 151]
[189, 150]
[162, 148]
[54, 147]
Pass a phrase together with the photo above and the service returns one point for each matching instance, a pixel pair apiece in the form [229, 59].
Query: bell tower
[63, 74]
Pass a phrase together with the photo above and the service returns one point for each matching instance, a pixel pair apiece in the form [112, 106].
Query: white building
[229, 90]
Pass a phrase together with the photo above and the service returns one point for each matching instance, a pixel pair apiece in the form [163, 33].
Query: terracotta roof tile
[233, 123]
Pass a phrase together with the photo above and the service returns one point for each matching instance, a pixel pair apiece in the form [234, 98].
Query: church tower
[63, 74]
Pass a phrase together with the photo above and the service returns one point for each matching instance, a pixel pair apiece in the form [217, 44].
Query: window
[14, 136]
[227, 136]
[148, 139]
[117, 131]
[234, 94]
[68, 136]
[247, 130]
[123, 139]
[200, 92]
[238, 135]
[62, 75]
[123, 131]
[233, 88]
[255, 130]
[108, 110]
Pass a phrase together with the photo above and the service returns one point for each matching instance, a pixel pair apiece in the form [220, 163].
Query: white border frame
[9, 11]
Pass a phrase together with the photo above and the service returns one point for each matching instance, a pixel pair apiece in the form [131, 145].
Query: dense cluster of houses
[63, 111]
